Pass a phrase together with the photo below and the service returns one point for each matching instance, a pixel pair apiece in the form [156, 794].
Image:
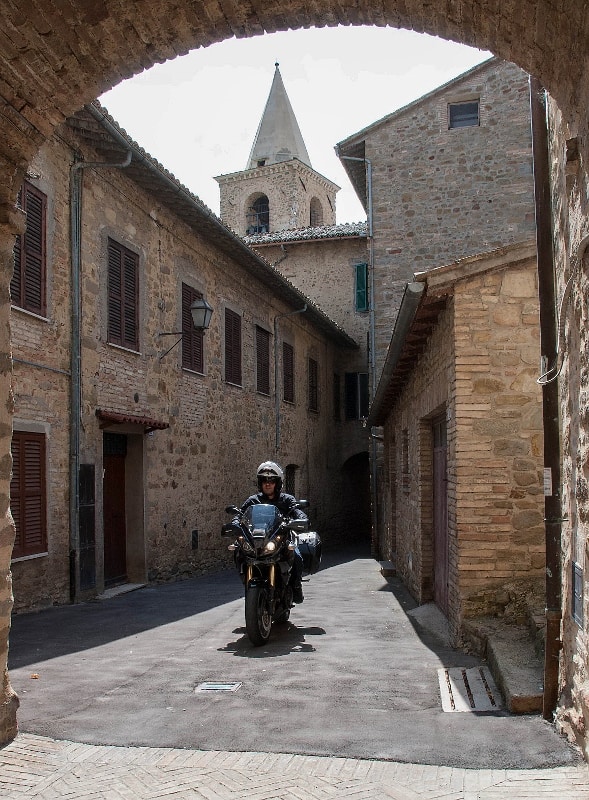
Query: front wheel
[258, 619]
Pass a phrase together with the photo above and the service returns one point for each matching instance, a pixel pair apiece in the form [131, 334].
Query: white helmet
[268, 469]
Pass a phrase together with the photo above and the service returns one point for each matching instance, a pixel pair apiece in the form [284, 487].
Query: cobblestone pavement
[44, 769]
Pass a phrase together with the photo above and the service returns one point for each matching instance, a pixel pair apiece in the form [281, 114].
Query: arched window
[316, 213]
[258, 216]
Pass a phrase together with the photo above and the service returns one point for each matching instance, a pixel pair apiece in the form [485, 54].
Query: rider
[270, 477]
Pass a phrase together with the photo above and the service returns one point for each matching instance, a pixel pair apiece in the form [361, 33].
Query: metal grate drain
[216, 686]
[468, 689]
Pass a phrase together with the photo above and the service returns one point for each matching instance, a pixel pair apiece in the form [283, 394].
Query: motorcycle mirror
[299, 525]
[231, 530]
[232, 510]
[302, 504]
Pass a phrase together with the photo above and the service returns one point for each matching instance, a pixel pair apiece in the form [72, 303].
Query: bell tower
[279, 189]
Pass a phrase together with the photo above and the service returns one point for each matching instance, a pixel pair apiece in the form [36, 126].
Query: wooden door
[440, 483]
[115, 529]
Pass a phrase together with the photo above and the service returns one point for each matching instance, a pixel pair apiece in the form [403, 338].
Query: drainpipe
[276, 372]
[75, 358]
[550, 404]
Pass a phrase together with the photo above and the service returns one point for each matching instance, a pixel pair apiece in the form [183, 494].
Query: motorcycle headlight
[270, 547]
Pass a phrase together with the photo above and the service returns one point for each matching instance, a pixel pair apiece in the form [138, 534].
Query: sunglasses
[269, 480]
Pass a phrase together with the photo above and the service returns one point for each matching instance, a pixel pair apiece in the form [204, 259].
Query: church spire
[278, 137]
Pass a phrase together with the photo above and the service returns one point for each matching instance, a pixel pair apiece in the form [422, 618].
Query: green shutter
[361, 287]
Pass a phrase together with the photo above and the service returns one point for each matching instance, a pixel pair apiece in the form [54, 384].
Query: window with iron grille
[356, 395]
[123, 296]
[192, 339]
[28, 284]
[232, 347]
[337, 402]
[262, 360]
[288, 372]
[28, 497]
[463, 115]
[313, 385]
[361, 287]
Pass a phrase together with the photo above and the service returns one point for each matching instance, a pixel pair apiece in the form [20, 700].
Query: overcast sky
[198, 114]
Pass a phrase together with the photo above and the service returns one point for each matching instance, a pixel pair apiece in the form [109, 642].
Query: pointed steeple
[279, 137]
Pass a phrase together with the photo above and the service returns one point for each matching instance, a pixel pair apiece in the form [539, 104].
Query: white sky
[198, 114]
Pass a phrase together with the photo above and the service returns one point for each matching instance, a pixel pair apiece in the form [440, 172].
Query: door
[440, 484]
[115, 528]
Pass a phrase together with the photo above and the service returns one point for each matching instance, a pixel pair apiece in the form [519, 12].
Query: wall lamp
[201, 313]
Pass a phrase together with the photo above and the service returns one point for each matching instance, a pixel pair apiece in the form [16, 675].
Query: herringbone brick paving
[47, 769]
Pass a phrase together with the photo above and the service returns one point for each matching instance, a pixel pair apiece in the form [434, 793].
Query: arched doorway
[62, 58]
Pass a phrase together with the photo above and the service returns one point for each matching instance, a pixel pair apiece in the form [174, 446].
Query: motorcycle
[263, 546]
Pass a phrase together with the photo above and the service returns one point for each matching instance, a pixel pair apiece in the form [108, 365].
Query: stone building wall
[440, 194]
[179, 479]
[479, 369]
[290, 187]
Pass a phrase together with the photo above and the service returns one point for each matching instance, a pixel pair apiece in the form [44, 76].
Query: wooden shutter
[27, 287]
[262, 361]
[28, 500]
[313, 385]
[232, 347]
[192, 340]
[123, 292]
[337, 403]
[288, 371]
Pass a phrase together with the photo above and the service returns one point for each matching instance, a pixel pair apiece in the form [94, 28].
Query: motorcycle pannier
[310, 549]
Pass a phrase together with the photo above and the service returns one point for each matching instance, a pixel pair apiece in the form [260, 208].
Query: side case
[310, 549]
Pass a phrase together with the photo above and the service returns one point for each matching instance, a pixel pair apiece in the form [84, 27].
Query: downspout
[277, 374]
[550, 404]
[75, 357]
[374, 438]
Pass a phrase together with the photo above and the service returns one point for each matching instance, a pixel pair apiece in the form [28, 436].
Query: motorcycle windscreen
[263, 518]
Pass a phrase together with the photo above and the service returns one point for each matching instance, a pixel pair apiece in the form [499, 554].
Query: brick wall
[479, 369]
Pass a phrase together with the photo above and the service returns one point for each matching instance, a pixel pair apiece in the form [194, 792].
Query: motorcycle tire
[258, 619]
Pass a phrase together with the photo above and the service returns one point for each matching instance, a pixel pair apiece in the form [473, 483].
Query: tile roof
[343, 231]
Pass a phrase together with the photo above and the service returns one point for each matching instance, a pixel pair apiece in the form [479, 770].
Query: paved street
[342, 702]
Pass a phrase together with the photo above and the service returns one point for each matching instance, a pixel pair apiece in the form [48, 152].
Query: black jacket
[284, 503]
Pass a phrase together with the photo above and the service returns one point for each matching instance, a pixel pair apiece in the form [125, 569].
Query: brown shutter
[288, 372]
[123, 275]
[27, 287]
[262, 361]
[192, 340]
[232, 347]
[28, 494]
[313, 385]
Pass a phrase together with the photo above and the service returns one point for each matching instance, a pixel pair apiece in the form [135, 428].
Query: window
[313, 385]
[232, 347]
[262, 360]
[123, 293]
[463, 115]
[315, 213]
[288, 372]
[192, 340]
[356, 388]
[337, 403]
[28, 499]
[361, 287]
[258, 216]
[27, 287]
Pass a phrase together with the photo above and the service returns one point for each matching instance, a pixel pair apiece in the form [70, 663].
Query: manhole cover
[470, 689]
[216, 686]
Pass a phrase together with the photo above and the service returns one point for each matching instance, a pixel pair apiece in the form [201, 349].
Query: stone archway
[55, 57]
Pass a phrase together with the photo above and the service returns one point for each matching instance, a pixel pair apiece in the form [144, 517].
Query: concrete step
[514, 663]
[388, 569]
